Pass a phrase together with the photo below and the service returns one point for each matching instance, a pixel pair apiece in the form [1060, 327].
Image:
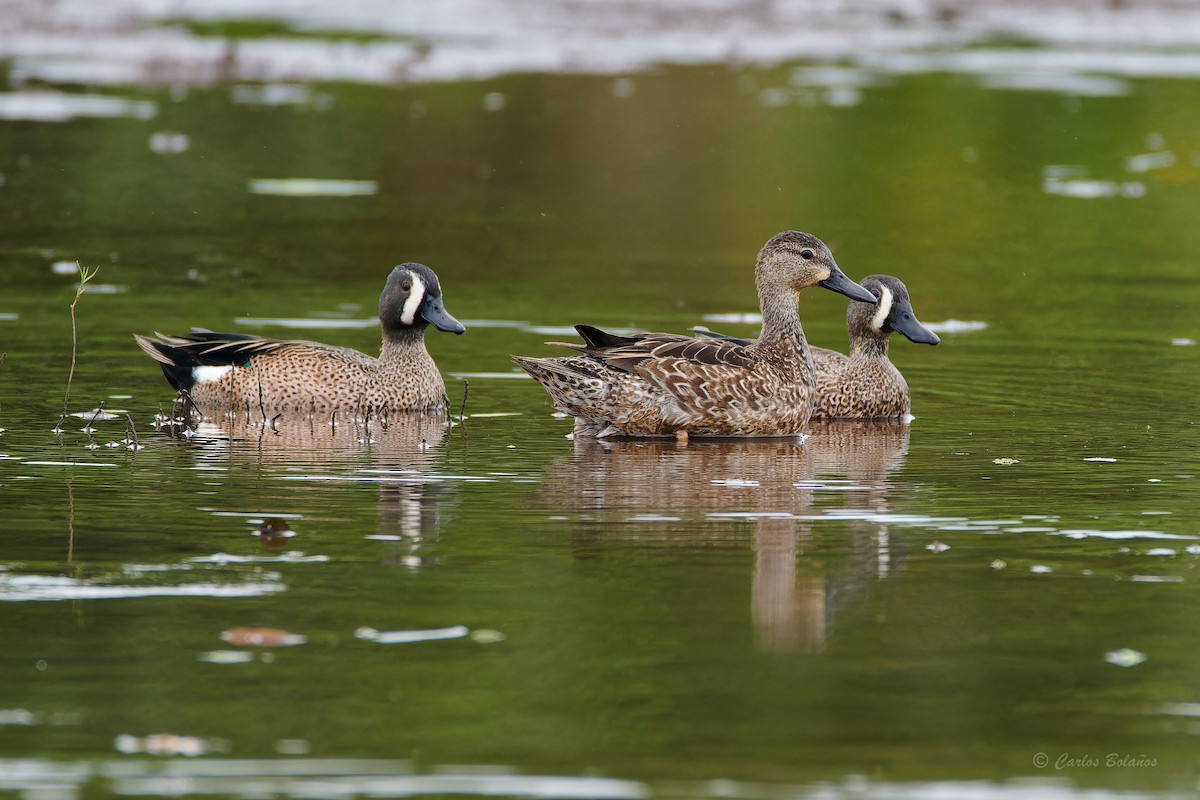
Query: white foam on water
[272, 94]
[736, 318]
[24, 588]
[306, 322]
[491, 375]
[1093, 189]
[494, 323]
[411, 636]
[1148, 161]
[1061, 82]
[1083, 533]
[312, 187]
[50, 106]
[227, 657]
[957, 326]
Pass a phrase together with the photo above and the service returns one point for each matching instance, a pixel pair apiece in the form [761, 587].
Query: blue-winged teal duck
[866, 384]
[659, 384]
[232, 371]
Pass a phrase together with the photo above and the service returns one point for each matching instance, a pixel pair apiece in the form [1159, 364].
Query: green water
[747, 619]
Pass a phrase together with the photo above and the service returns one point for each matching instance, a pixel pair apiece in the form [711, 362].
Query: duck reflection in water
[396, 454]
[687, 492]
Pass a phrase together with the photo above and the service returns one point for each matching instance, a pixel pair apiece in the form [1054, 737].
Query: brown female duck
[658, 384]
[865, 384]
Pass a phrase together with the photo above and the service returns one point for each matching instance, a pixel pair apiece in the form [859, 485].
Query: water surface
[879, 611]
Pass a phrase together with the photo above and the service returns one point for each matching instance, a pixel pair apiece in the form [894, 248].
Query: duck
[223, 372]
[662, 384]
[865, 384]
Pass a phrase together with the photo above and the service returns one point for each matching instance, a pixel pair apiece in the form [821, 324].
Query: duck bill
[838, 282]
[908, 326]
[433, 312]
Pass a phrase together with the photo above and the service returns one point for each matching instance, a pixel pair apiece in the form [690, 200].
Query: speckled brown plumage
[657, 384]
[229, 371]
[866, 384]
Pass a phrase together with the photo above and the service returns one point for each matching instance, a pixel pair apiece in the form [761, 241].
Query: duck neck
[873, 347]
[781, 319]
[402, 343]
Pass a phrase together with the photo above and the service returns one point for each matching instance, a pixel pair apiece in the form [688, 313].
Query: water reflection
[326, 451]
[770, 482]
[404, 441]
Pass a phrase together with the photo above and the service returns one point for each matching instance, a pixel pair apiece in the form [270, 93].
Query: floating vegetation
[274, 532]
[262, 637]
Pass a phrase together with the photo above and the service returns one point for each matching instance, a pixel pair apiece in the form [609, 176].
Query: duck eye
[406, 286]
[806, 254]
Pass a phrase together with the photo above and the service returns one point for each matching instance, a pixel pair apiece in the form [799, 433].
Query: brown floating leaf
[261, 637]
[275, 532]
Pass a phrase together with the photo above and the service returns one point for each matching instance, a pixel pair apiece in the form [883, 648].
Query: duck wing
[630, 353]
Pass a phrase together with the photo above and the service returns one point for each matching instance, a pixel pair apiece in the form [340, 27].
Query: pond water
[996, 601]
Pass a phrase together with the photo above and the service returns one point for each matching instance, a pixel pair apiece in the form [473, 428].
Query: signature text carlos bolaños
[1072, 761]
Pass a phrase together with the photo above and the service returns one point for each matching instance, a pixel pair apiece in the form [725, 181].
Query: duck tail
[178, 365]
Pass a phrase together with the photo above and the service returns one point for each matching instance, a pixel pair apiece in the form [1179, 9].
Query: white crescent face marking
[885, 308]
[207, 374]
[408, 315]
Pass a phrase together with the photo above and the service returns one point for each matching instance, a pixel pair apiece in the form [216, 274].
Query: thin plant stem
[85, 275]
[462, 411]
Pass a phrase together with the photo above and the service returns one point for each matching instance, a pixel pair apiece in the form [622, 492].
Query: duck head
[892, 312]
[800, 260]
[412, 298]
